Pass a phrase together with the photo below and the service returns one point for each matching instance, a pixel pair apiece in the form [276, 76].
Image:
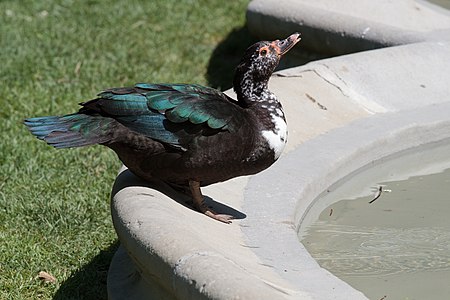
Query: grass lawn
[54, 204]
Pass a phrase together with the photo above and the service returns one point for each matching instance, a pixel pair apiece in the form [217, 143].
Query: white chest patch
[276, 138]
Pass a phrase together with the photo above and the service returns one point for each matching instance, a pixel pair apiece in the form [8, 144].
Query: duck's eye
[263, 52]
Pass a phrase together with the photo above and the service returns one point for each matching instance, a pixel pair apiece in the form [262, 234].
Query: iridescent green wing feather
[170, 113]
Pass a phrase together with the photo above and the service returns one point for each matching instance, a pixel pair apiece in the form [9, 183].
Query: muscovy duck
[186, 135]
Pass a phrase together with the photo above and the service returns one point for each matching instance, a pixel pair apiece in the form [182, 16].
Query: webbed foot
[199, 204]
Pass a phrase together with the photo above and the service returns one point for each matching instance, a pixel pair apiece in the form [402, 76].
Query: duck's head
[258, 64]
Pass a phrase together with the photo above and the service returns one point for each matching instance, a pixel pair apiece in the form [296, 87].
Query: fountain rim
[377, 137]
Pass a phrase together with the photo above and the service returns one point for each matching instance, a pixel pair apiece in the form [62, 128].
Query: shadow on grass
[90, 281]
[226, 57]
[229, 52]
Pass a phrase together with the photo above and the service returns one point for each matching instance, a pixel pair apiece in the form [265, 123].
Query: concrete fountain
[343, 113]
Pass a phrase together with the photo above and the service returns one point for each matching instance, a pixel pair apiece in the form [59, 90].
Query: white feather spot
[276, 138]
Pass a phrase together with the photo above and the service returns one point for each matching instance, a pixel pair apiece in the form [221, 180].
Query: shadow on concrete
[128, 179]
[89, 282]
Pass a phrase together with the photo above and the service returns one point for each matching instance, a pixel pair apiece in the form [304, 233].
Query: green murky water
[398, 247]
[442, 3]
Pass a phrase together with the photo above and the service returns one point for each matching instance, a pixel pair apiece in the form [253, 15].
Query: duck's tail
[75, 130]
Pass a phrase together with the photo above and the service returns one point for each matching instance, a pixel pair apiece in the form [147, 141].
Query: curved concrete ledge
[343, 114]
[340, 27]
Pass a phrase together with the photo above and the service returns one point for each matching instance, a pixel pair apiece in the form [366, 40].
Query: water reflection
[398, 246]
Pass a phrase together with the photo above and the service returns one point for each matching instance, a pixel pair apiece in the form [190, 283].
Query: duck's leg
[199, 203]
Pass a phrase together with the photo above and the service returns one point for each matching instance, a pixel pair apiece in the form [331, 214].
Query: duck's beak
[283, 46]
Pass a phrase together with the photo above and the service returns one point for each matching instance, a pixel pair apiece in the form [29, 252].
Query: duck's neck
[251, 90]
[254, 92]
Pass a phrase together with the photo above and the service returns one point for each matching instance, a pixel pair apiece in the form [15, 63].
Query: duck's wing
[172, 114]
